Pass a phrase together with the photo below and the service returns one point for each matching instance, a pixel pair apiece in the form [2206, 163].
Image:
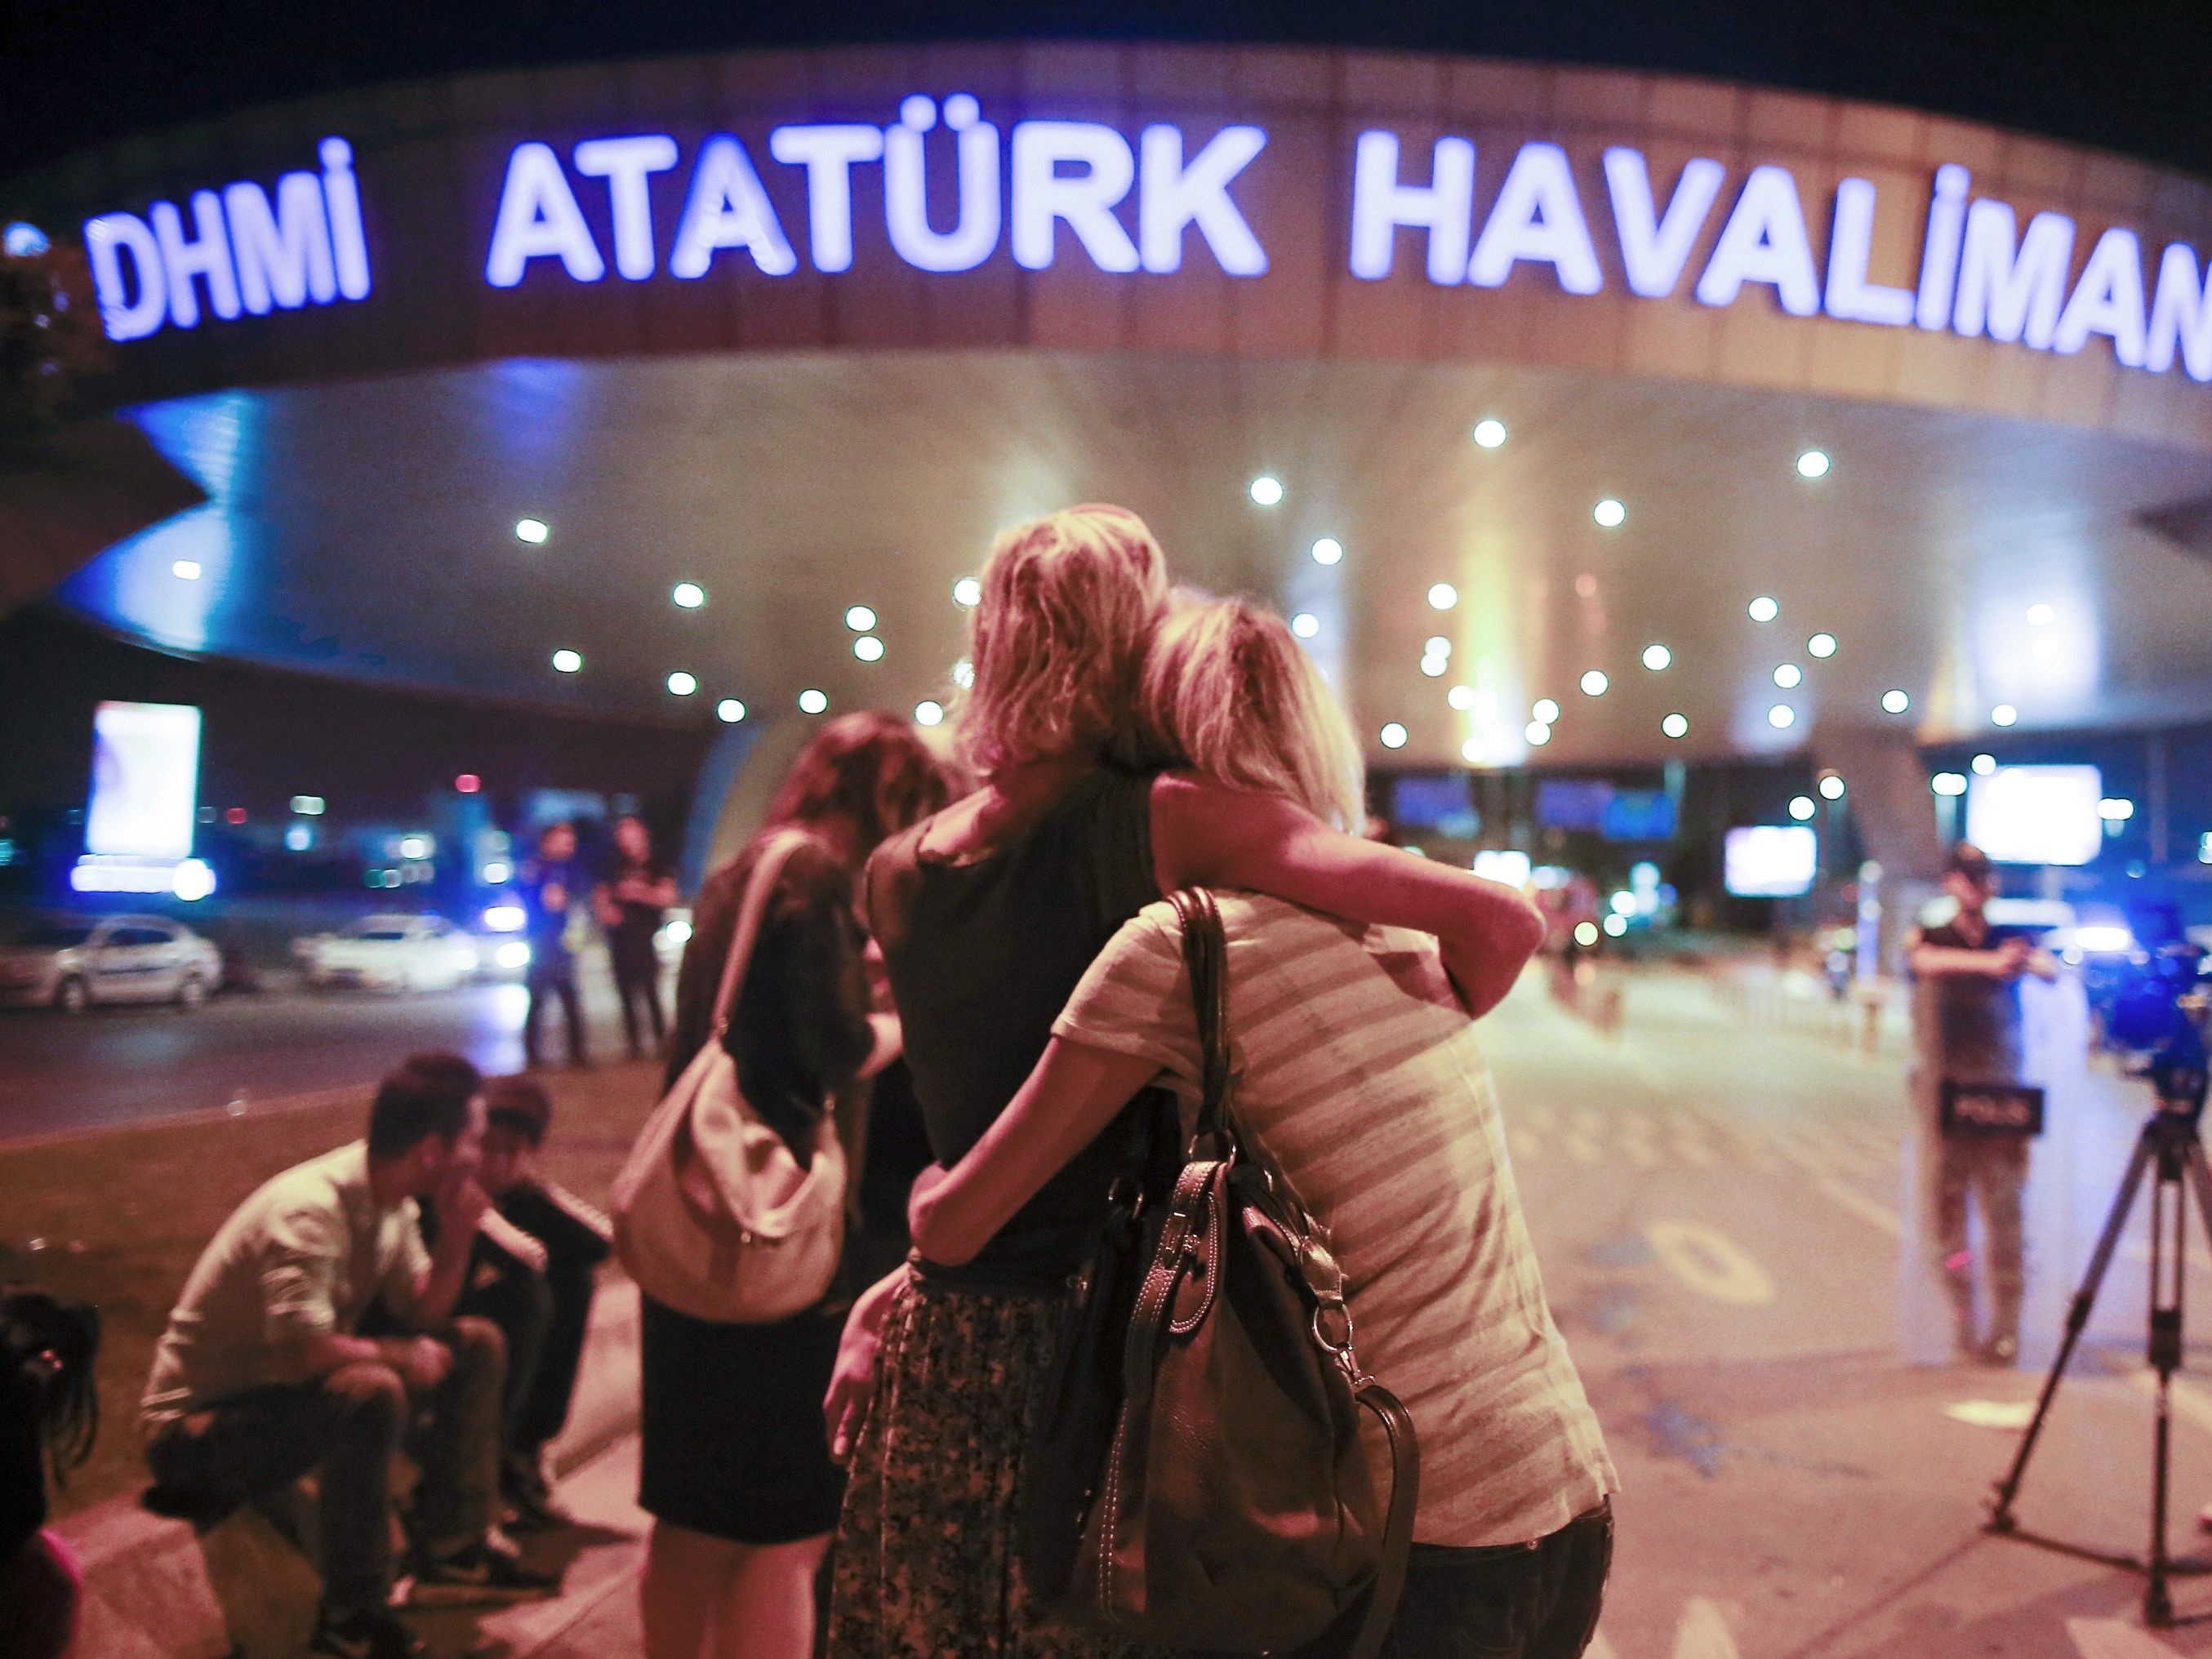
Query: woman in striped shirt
[1360, 1077]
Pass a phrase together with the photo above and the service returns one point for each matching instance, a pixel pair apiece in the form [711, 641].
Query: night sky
[2128, 74]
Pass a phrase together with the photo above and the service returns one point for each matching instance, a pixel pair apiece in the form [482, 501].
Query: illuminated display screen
[145, 780]
[1441, 804]
[2037, 814]
[1772, 860]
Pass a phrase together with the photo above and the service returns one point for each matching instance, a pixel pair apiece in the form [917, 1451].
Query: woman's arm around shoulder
[1207, 834]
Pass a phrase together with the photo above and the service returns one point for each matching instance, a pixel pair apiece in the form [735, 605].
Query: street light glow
[1763, 610]
[1266, 491]
[689, 595]
[811, 701]
[1609, 514]
[1490, 434]
[1443, 596]
[1656, 657]
[1305, 624]
[729, 711]
[683, 684]
[1675, 725]
[1813, 463]
[533, 531]
[1327, 550]
[567, 662]
[1393, 735]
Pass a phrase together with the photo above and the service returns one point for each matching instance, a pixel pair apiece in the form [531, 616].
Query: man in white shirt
[261, 1375]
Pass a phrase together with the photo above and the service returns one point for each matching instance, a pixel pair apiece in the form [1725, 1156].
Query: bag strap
[1206, 954]
[1397, 1521]
[760, 886]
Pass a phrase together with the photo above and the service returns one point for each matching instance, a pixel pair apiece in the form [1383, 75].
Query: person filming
[1969, 1032]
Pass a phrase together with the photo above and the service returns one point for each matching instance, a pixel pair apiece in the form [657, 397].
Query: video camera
[2156, 1010]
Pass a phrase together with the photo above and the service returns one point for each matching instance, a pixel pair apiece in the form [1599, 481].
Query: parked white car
[73, 962]
[389, 953]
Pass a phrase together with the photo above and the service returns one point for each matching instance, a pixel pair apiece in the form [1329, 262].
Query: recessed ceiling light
[689, 595]
[1788, 676]
[1490, 434]
[1460, 696]
[730, 711]
[1609, 514]
[1443, 596]
[1821, 645]
[1537, 732]
[1780, 716]
[533, 531]
[1594, 683]
[567, 662]
[1305, 624]
[811, 701]
[1393, 736]
[1435, 668]
[1327, 550]
[2041, 616]
[2003, 714]
[868, 648]
[928, 713]
[1948, 783]
[1985, 764]
[1474, 751]
[1831, 787]
[1675, 725]
[185, 570]
[1763, 610]
[1266, 490]
[859, 619]
[1545, 711]
[968, 593]
[1438, 646]
[1813, 464]
[683, 684]
[1802, 807]
[1895, 702]
[1656, 657]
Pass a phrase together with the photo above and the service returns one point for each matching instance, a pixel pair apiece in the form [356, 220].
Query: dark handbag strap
[1397, 1520]
[1206, 954]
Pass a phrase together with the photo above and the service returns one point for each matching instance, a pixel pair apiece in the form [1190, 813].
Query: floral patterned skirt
[925, 1566]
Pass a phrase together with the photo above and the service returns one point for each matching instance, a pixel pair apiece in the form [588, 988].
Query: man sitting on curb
[534, 1280]
[260, 1376]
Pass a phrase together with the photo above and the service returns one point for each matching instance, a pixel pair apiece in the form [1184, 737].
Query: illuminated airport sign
[956, 189]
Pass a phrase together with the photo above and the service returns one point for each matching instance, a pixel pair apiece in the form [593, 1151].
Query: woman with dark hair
[49, 1416]
[735, 1472]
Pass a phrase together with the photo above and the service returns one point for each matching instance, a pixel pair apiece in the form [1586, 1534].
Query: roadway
[117, 1064]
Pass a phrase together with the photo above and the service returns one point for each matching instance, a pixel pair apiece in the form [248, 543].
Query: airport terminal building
[1580, 419]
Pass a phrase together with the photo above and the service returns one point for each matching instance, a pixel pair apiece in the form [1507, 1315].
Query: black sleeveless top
[982, 955]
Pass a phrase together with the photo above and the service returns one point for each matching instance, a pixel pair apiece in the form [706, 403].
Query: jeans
[637, 986]
[553, 979]
[347, 1425]
[544, 1318]
[1537, 1601]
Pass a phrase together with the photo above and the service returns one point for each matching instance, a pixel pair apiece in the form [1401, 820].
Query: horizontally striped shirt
[1359, 1075]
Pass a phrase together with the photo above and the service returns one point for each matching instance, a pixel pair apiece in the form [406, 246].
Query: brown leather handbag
[1235, 1509]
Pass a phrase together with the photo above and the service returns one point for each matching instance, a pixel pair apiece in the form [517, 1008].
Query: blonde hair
[1228, 692]
[1069, 604]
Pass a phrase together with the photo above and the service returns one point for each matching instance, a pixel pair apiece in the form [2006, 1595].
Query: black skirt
[734, 1442]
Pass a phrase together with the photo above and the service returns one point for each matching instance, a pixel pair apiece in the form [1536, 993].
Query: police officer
[1969, 970]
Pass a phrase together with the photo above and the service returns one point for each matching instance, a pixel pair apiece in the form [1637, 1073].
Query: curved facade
[1241, 202]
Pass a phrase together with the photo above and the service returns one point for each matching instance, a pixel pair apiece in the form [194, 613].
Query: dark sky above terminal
[2128, 74]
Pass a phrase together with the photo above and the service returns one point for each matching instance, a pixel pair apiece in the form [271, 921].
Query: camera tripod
[2169, 1151]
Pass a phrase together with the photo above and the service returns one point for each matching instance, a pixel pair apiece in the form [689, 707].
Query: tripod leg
[2168, 1223]
[2077, 1319]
